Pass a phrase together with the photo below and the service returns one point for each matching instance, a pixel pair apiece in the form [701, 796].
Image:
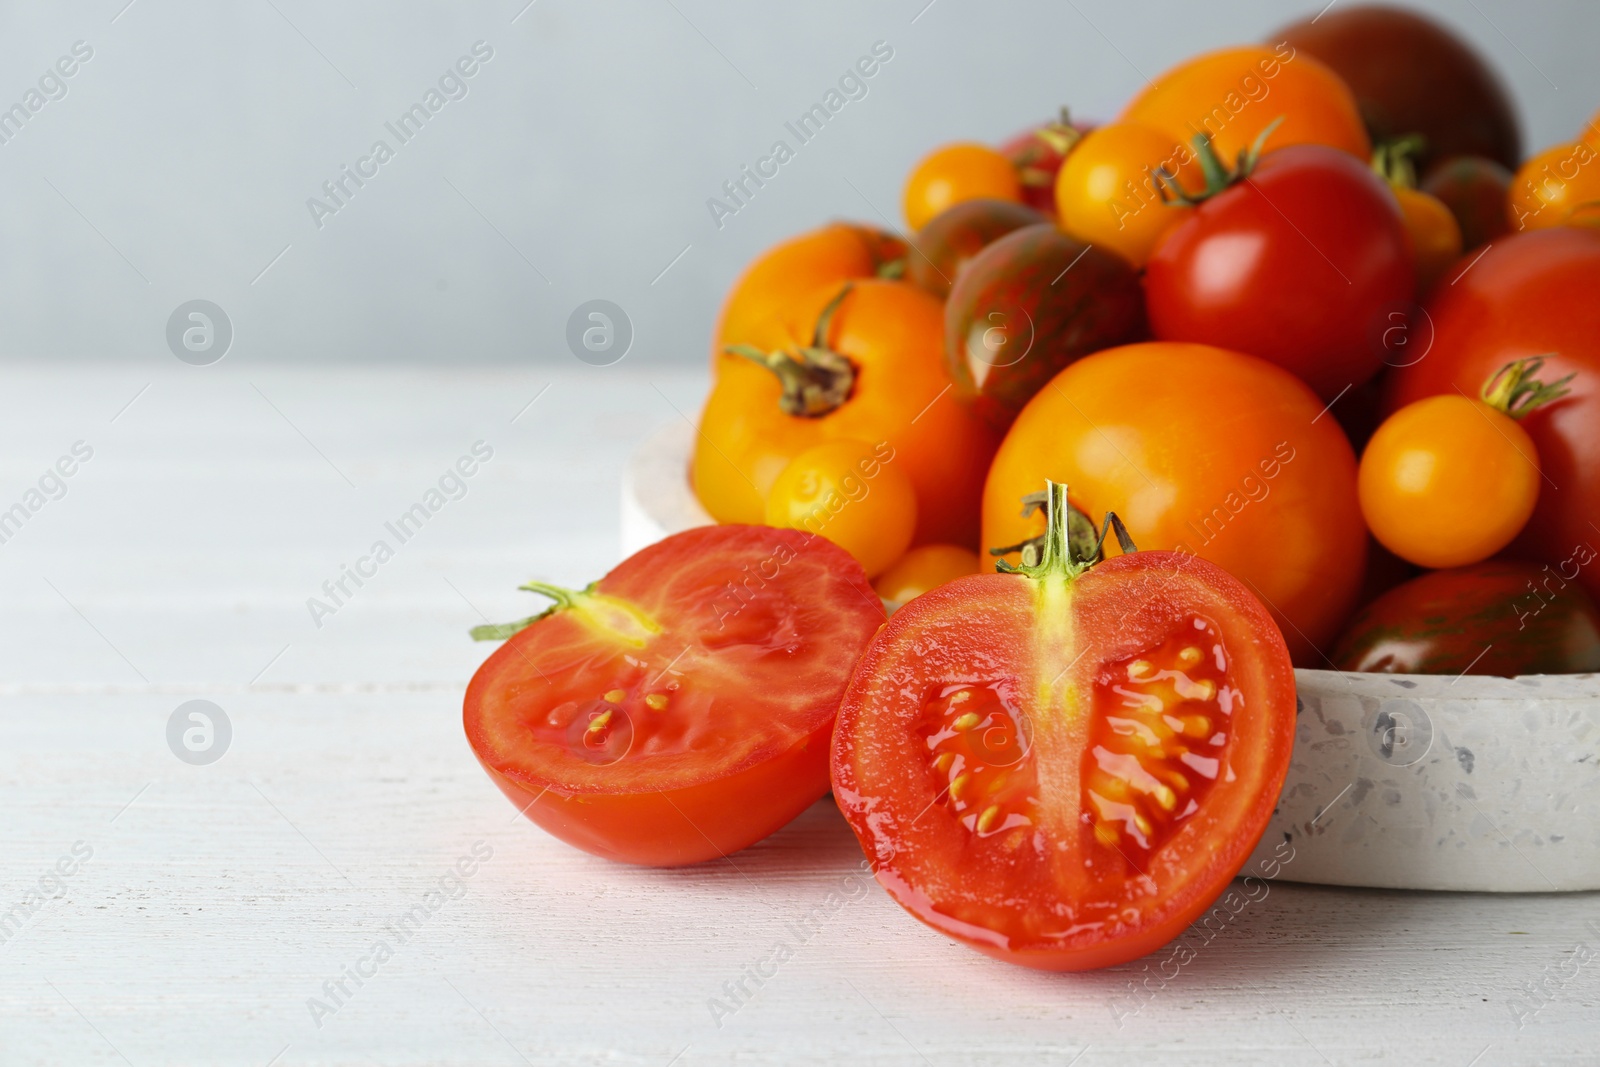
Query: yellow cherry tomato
[1448, 481]
[852, 493]
[1558, 186]
[955, 173]
[1107, 194]
[923, 568]
[1434, 233]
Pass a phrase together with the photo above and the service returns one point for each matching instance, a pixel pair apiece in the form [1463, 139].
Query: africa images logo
[342, 188]
[852, 85]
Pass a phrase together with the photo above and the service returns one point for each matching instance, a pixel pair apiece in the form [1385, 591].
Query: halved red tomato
[679, 708]
[1064, 766]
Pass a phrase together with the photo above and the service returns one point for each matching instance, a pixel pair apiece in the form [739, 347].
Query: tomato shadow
[816, 846]
[1288, 936]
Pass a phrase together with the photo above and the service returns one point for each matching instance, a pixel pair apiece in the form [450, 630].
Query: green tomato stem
[1514, 391]
[1069, 545]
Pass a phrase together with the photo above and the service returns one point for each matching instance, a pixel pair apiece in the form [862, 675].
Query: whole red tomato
[1530, 294]
[1297, 262]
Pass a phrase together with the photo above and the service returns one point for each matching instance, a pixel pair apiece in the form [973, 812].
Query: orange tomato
[1205, 451]
[958, 172]
[887, 337]
[769, 288]
[1448, 481]
[1233, 94]
[1107, 195]
[923, 568]
[852, 493]
[1434, 234]
[1558, 186]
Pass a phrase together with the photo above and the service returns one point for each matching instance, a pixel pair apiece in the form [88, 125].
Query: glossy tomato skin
[1297, 265]
[1410, 74]
[1556, 187]
[1028, 305]
[852, 493]
[1448, 481]
[954, 236]
[659, 828]
[956, 172]
[715, 695]
[892, 332]
[1108, 195]
[924, 568]
[1530, 294]
[1232, 95]
[1500, 617]
[1200, 450]
[1039, 888]
[1474, 189]
[759, 307]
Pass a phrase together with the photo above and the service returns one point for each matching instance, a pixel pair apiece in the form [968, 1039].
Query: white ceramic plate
[1397, 782]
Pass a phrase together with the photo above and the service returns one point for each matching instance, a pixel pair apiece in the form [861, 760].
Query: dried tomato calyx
[1392, 160]
[1219, 176]
[816, 380]
[1069, 545]
[608, 615]
[1515, 391]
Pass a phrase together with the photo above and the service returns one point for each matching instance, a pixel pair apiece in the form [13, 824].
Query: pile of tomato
[1294, 363]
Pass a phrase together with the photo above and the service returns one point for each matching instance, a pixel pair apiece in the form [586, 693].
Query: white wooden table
[217, 901]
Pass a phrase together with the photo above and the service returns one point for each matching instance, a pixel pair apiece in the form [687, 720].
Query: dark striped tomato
[1498, 617]
[954, 236]
[1030, 303]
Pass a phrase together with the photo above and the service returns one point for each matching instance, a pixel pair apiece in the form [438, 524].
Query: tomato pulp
[679, 708]
[1063, 767]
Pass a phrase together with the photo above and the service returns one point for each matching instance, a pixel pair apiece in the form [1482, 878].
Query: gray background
[179, 163]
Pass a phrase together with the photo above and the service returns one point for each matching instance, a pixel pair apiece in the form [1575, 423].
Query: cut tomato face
[1063, 767]
[680, 708]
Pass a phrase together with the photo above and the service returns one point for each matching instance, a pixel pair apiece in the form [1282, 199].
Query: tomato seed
[1131, 783]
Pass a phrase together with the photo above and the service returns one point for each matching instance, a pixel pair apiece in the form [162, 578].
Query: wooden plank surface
[218, 906]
